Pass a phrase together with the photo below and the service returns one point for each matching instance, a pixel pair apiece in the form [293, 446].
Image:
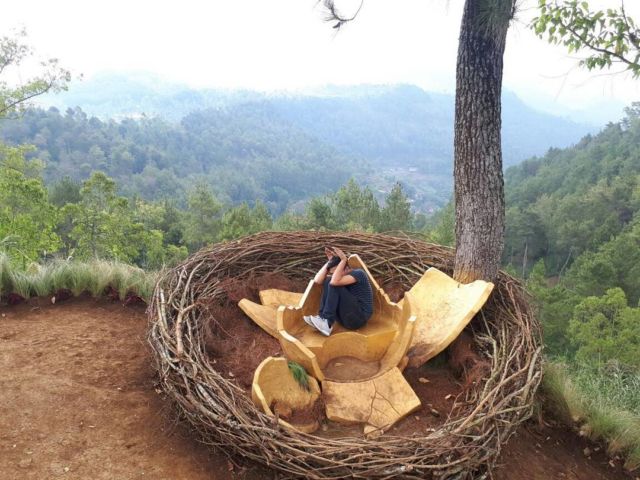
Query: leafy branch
[13, 52]
[611, 35]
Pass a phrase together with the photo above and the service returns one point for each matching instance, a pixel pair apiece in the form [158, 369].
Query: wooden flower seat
[368, 343]
[431, 315]
[383, 396]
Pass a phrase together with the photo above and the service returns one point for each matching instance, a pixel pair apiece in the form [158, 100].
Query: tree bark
[479, 184]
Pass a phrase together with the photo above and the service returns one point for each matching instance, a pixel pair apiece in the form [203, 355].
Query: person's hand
[328, 252]
[340, 253]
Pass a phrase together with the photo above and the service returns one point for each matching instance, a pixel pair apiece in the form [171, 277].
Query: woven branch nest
[223, 414]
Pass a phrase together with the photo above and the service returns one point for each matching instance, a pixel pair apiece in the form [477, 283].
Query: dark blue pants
[339, 304]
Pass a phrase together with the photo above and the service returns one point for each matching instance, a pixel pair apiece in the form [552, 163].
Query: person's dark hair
[333, 262]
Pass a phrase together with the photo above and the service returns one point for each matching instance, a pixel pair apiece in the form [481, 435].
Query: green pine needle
[299, 375]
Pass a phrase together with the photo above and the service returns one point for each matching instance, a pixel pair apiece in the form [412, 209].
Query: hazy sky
[284, 44]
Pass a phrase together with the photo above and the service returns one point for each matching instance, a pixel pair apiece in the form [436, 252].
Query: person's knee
[333, 288]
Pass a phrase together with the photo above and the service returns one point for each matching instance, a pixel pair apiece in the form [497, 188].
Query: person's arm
[339, 279]
[322, 273]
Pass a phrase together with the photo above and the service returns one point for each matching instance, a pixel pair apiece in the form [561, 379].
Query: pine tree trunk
[479, 184]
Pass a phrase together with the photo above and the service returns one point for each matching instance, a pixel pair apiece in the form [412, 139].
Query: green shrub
[606, 328]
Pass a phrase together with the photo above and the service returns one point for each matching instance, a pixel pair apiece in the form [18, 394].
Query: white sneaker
[322, 325]
[308, 319]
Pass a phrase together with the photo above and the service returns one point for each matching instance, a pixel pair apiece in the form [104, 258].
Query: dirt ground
[78, 401]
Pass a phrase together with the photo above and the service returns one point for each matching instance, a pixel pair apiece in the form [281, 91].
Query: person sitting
[347, 297]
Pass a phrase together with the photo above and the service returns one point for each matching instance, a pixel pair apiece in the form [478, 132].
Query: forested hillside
[401, 132]
[245, 156]
[405, 125]
[574, 200]
[91, 220]
[574, 215]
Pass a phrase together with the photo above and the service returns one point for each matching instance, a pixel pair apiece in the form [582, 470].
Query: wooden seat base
[377, 403]
[374, 332]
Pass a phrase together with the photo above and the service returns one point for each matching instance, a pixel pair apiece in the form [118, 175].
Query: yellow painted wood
[378, 403]
[364, 347]
[443, 307]
[374, 328]
[292, 347]
[274, 297]
[272, 381]
[263, 315]
[310, 302]
[398, 349]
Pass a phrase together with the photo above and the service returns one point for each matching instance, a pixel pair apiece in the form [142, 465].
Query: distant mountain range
[401, 131]
[387, 123]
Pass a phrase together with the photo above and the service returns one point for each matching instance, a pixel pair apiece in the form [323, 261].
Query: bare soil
[350, 368]
[300, 416]
[78, 400]
[544, 451]
[236, 344]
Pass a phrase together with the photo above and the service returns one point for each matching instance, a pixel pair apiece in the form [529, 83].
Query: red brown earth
[78, 400]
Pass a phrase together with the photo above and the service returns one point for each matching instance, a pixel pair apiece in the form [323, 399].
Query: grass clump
[22, 284]
[40, 280]
[132, 280]
[94, 277]
[560, 394]
[6, 275]
[603, 400]
[82, 276]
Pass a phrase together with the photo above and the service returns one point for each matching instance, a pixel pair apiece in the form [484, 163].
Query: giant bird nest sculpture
[223, 414]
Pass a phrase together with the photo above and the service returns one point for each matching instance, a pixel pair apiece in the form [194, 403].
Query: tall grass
[93, 277]
[604, 401]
